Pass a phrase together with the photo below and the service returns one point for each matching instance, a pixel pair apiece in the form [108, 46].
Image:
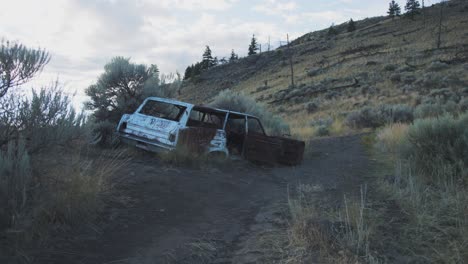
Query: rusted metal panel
[292, 151]
[196, 139]
[274, 150]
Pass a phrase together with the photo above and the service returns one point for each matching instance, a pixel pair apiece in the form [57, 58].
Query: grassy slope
[363, 54]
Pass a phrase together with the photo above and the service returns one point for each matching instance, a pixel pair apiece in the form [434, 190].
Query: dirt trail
[208, 216]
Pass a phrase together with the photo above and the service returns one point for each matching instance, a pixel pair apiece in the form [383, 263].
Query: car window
[236, 123]
[254, 126]
[206, 119]
[163, 110]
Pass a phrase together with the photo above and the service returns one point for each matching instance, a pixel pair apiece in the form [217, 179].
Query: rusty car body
[161, 124]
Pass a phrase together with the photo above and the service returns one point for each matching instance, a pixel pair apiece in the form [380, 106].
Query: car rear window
[163, 110]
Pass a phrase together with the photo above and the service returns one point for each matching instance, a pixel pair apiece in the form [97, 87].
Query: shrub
[18, 64]
[314, 72]
[15, 183]
[377, 116]
[439, 148]
[362, 118]
[323, 131]
[121, 89]
[396, 113]
[311, 107]
[395, 77]
[231, 100]
[435, 109]
[408, 78]
[437, 66]
[390, 67]
[463, 104]
[44, 120]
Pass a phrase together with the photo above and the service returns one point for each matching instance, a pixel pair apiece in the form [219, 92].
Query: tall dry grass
[332, 235]
[429, 188]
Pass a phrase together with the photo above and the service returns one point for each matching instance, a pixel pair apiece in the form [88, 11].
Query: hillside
[384, 61]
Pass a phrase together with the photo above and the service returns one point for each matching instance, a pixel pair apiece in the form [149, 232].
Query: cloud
[83, 35]
[275, 7]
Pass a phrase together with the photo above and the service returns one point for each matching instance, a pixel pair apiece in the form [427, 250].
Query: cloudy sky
[82, 35]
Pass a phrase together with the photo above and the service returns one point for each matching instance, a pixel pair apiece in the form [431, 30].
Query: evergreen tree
[394, 9]
[412, 8]
[215, 61]
[351, 25]
[233, 56]
[223, 61]
[188, 72]
[196, 69]
[332, 30]
[208, 60]
[253, 47]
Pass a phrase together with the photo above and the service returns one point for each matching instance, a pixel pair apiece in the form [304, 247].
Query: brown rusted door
[258, 146]
[262, 148]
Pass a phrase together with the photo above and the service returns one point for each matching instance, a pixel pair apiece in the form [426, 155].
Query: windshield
[163, 110]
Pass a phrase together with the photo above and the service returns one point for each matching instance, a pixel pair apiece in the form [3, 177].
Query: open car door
[262, 148]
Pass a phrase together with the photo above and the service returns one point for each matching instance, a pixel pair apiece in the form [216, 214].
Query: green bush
[239, 102]
[438, 147]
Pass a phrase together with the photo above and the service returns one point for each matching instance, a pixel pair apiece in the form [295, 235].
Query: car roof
[198, 107]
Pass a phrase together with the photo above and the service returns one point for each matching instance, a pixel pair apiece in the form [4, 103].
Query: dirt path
[208, 216]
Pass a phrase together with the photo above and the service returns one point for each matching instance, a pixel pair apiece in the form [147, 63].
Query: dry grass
[391, 137]
[432, 210]
[332, 235]
[69, 189]
[302, 126]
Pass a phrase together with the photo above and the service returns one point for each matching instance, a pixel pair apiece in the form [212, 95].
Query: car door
[258, 146]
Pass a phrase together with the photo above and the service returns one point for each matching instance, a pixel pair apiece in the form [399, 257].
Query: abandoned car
[161, 124]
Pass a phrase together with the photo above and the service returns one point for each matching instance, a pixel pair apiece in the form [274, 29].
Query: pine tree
[412, 8]
[253, 47]
[233, 57]
[188, 72]
[332, 30]
[223, 61]
[208, 60]
[394, 9]
[351, 25]
[196, 69]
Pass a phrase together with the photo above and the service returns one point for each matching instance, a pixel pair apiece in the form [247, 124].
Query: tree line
[208, 61]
